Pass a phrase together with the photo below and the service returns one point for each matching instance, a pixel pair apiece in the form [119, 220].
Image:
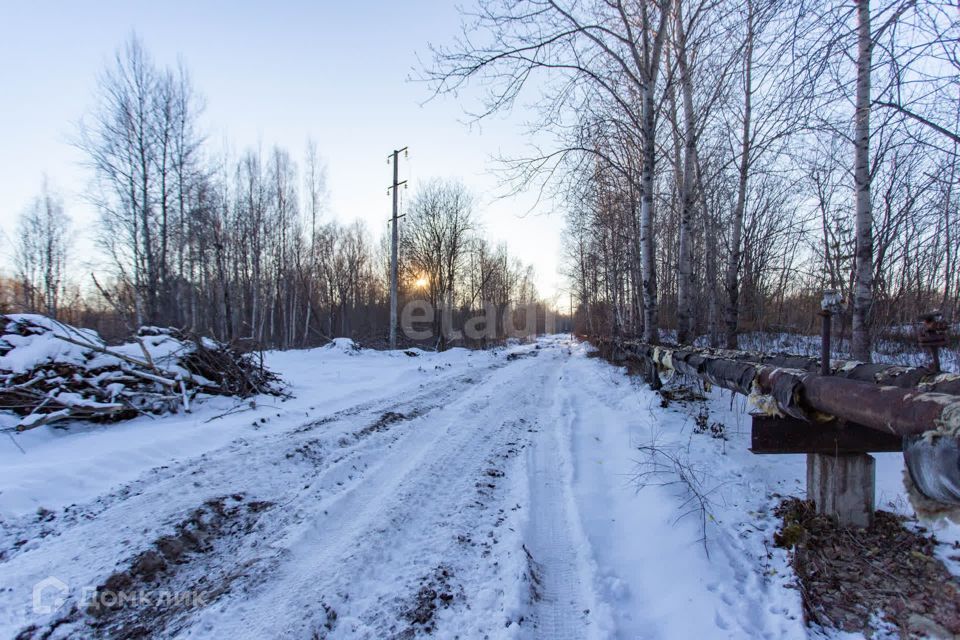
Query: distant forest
[238, 248]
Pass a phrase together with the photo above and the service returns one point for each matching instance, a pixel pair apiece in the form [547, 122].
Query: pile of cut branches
[50, 371]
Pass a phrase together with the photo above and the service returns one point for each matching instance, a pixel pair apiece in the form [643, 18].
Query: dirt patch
[436, 592]
[329, 624]
[193, 537]
[180, 572]
[849, 579]
[385, 421]
[311, 450]
[517, 355]
[535, 576]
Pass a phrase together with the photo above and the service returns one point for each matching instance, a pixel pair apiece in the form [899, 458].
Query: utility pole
[394, 238]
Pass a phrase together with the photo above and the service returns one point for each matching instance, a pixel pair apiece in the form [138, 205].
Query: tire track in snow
[356, 548]
[567, 606]
[82, 547]
[31, 527]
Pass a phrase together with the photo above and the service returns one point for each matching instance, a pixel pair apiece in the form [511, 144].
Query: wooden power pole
[394, 238]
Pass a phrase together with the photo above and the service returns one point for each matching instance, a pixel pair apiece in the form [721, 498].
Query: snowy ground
[463, 494]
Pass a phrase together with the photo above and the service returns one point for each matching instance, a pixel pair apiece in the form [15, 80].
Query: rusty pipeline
[928, 421]
[808, 395]
[903, 412]
[913, 378]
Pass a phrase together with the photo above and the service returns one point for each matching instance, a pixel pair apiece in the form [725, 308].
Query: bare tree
[436, 239]
[41, 252]
[315, 188]
[587, 52]
[141, 144]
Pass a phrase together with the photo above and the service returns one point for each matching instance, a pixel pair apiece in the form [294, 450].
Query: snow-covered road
[471, 495]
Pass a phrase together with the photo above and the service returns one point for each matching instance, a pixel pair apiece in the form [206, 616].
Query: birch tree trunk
[732, 285]
[863, 284]
[651, 333]
[650, 68]
[949, 258]
[684, 262]
[710, 264]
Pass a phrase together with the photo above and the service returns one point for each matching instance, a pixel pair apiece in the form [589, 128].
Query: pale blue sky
[272, 72]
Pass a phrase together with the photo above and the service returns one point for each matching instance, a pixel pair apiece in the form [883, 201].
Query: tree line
[238, 248]
[723, 162]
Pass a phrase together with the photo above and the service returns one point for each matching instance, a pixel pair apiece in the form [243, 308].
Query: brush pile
[50, 371]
